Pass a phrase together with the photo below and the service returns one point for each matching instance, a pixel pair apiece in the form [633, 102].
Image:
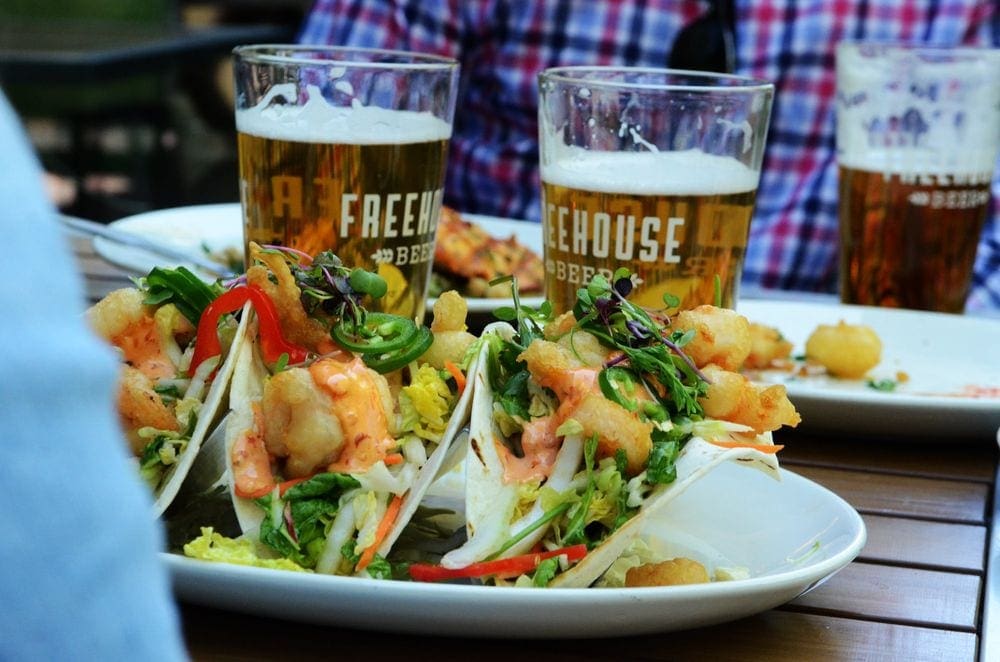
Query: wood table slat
[900, 595]
[921, 543]
[882, 494]
[932, 460]
[776, 636]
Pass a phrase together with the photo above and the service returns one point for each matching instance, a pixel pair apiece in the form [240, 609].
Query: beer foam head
[900, 112]
[316, 121]
[688, 172]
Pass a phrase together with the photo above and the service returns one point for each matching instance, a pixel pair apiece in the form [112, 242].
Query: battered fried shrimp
[313, 416]
[574, 382]
[734, 398]
[549, 363]
[585, 348]
[767, 345]
[110, 316]
[559, 326]
[451, 339]
[845, 350]
[299, 423]
[140, 406]
[146, 336]
[616, 428]
[722, 338]
[668, 573]
[296, 325]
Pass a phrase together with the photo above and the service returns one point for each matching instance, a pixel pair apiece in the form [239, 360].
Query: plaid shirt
[503, 45]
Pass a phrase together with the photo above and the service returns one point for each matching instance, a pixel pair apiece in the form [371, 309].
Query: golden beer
[679, 227]
[374, 201]
[909, 240]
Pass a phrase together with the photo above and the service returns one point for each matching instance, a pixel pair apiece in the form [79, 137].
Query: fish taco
[332, 442]
[175, 371]
[583, 425]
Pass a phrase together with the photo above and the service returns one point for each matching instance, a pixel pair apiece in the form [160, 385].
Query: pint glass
[344, 149]
[651, 169]
[918, 132]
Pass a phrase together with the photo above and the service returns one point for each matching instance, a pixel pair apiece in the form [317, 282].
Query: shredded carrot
[393, 458]
[380, 533]
[457, 373]
[763, 448]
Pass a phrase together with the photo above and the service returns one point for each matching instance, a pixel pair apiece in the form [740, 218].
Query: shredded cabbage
[425, 404]
[636, 554]
[212, 546]
[368, 512]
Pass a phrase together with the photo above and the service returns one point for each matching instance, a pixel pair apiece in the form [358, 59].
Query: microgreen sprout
[328, 287]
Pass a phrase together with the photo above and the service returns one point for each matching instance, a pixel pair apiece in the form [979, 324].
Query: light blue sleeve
[79, 572]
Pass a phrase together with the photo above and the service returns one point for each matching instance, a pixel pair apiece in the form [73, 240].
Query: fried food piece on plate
[845, 350]
[734, 398]
[466, 250]
[451, 339]
[722, 336]
[296, 324]
[767, 345]
[574, 382]
[314, 415]
[667, 573]
[139, 406]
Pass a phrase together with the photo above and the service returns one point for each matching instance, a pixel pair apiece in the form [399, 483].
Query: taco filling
[166, 401]
[583, 423]
[329, 457]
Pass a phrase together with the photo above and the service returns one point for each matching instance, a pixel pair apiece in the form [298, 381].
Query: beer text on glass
[652, 170]
[352, 177]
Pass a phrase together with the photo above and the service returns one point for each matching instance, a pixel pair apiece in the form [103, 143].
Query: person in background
[503, 45]
[78, 566]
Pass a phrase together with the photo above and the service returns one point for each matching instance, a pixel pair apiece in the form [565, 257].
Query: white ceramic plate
[190, 229]
[219, 227]
[791, 535]
[944, 356]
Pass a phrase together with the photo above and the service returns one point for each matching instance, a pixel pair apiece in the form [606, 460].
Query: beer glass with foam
[651, 169]
[344, 149]
[918, 133]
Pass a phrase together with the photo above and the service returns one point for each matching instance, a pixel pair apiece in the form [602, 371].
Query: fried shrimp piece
[299, 423]
[734, 398]
[451, 339]
[296, 325]
[767, 345]
[575, 384]
[845, 350]
[667, 573]
[335, 415]
[110, 316]
[140, 406]
[616, 428]
[722, 336]
[559, 326]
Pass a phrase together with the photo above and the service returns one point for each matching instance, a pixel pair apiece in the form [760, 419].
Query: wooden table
[918, 591]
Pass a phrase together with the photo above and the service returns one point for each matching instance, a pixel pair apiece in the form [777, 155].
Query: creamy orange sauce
[251, 461]
[140, 344]
[358, 407]
[539, 442]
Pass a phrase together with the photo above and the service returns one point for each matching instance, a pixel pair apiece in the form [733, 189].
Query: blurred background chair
[126, 100]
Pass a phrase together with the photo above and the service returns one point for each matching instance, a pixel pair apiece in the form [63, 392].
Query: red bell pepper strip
[512, 567]
[272, 342]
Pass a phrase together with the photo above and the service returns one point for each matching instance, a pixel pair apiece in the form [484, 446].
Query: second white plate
[214, 228]
[951, 361]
